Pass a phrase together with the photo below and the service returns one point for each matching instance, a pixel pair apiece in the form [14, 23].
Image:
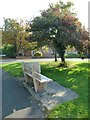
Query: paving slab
[54, 94]
[29, 112]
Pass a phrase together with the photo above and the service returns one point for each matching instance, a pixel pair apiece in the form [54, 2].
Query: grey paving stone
[53, 95]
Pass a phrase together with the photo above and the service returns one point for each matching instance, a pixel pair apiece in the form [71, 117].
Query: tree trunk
[15, 49]
[62, 56]
[19, 46]
[60, 49]
[62, 64]
[15, 45]
[55, 56]
[63, 59]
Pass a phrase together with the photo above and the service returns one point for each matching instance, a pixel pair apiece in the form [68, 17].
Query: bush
[9, 50]
[88, 55]
[75, 56]
[38, 54]
[20, 54]
[0, 50]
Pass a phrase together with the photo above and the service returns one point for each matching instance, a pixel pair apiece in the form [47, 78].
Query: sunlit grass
[14, 69]
[75, 77]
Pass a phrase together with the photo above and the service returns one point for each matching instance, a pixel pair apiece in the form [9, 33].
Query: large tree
[58, 26]
[14, 33]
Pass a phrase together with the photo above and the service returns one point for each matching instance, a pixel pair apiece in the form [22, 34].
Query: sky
[27, 9]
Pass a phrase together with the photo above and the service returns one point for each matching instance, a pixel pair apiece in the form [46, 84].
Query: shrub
[0, 50]
[38, 54]
[88, 55]
[75, 56]
[20, 54]
[9, 50]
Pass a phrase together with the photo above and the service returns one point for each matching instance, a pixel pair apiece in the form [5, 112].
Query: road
[39, 60]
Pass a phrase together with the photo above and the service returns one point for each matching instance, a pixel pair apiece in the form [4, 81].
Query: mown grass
[74, 77]
[14, 69]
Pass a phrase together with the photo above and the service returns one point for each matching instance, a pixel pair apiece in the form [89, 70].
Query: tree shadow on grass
[75, 77]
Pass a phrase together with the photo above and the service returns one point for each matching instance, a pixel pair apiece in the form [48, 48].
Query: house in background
[46, 51]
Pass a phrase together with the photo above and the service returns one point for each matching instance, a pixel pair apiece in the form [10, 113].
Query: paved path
[16, 101]
[54, 94]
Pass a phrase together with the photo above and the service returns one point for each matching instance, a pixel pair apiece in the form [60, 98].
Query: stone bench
[33, 76]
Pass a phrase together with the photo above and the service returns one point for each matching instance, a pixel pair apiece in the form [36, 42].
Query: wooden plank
[42, 78]
[24, 72]
[35, 68]
[29, 74]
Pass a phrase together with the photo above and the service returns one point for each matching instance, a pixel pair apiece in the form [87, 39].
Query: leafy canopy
[58, 26]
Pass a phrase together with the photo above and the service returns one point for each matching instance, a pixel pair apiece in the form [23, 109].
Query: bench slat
[27, 69]
[29, 74]
[42, 78]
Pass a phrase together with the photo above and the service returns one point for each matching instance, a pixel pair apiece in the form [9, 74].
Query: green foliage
[58, 26]
[20, 54]
[75, 56]
[9, 50]
[38, 54]
[14, 33]
[0, 50]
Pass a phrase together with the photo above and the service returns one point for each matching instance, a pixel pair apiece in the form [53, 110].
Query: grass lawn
[74, 77]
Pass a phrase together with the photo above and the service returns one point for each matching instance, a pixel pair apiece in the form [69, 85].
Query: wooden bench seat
[33, 76]
[41, 78]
